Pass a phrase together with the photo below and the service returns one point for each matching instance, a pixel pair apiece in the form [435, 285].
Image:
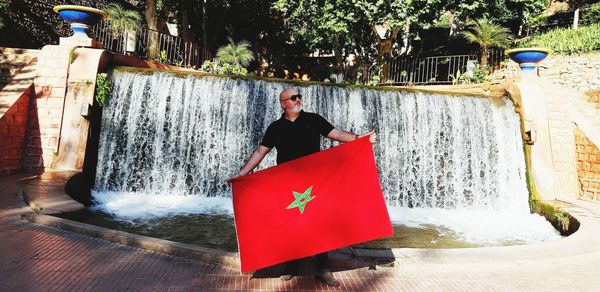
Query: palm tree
[122, 19]
[487, 35]
[236, 54]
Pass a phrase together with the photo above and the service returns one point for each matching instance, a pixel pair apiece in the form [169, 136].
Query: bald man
[296, 134]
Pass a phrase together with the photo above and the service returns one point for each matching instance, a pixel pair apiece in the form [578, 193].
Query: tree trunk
[185, 23]
[339, 59]
[384, 51]
[483, 58]
[152, 20]
[204, 29]
[576, 18]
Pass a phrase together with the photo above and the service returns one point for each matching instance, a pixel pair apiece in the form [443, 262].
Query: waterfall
[184, 136]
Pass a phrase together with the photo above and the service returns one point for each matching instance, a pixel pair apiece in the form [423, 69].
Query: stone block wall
[12, 60]
[13, 126]
[588, 167]
[561, 130]
[578, 72]
[46, 109]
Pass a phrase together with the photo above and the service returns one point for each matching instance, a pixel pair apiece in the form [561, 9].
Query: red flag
[306, 206]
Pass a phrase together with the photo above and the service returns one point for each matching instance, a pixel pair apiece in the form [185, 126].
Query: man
[296, 134]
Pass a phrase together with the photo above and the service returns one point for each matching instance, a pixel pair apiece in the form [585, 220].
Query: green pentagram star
[301, 200]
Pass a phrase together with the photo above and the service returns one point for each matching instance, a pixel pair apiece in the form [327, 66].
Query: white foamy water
[478, 226]
[169, 143]
[130, 206]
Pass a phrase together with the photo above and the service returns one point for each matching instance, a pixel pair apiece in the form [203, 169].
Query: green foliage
[479, 76]
[567, 41]
[351, 26]
[511, 13]
[162, 57]
[487, 34]
[3, 5]
[122, 19]
[208, 66]
[235, 54]
[460, 78]
[231, 59]
[72, 56]
[103, 88]
[591, 15]
[539, 20]
[224, 68]
[375, 80]
[561, 220]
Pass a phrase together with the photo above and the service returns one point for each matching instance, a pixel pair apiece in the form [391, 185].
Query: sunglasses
[293, 97]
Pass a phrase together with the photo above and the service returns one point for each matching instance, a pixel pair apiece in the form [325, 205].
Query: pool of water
[414, 229]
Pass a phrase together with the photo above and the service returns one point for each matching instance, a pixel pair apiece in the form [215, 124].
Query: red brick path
[40, 258]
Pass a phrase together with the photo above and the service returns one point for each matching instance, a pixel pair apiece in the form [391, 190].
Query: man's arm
[254, 160]
[343, 136]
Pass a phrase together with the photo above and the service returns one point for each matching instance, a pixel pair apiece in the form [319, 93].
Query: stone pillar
[64, 80]
[553, 156]
[536, 122]
[46, 109]
[81, 85]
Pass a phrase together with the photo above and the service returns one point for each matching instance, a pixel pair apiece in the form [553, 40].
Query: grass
[568, 41]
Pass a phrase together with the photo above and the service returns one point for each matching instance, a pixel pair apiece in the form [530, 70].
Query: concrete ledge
[214, 256]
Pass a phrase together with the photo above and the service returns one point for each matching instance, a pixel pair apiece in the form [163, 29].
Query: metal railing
[150, 44]
[437, 69]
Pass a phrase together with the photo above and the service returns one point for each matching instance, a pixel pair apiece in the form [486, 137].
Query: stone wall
[12, 60]
[561, 130]
[46, 109]
[588, 167]
[13, 125]
[578, 72]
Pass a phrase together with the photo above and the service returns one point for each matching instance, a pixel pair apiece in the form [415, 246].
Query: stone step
[586, 114]
[12, 61]
[20, 82]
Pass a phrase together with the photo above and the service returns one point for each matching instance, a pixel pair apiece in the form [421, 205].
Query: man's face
[291, 100]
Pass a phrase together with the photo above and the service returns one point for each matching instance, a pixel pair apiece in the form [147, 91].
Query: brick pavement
[40, 258]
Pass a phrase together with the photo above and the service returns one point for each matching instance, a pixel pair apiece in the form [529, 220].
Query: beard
[296, 109]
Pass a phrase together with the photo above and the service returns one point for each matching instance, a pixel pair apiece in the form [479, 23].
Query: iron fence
[438, 69]
[150, 44]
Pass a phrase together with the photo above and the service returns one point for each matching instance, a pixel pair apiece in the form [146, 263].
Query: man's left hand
[372, 138]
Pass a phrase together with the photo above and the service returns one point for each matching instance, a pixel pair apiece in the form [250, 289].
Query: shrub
[103, 88]
[591, 15]
[567, 41]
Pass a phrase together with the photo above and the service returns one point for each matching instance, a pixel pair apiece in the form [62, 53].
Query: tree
[3, 5]
[235, 54]
[354, 26]
[122, 19]
[487, 35]
[576, 5]
[509, 13]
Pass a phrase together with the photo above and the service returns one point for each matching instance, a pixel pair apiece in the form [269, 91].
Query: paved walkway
[40, 258]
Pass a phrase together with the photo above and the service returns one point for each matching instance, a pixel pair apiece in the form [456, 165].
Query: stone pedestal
[553, 156]
[64, 85]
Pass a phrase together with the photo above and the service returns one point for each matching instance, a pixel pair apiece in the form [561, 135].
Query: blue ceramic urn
[528, 58]
[81, 18]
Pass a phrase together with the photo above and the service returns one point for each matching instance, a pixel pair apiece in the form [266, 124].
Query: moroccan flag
[306, 206]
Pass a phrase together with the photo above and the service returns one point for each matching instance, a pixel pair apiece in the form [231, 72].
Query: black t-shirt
[298, 138]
